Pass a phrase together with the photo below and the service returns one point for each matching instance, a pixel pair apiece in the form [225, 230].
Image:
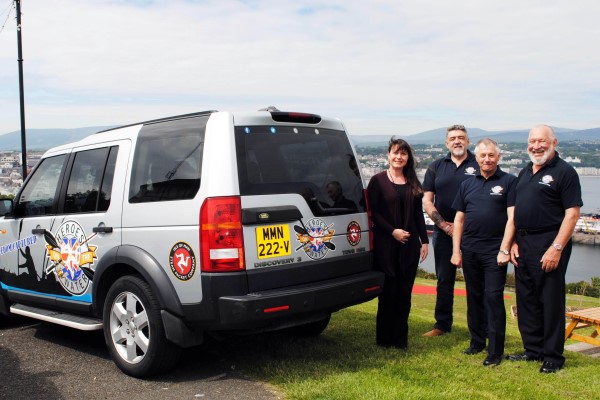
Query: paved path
[41, 360]
[585, 348]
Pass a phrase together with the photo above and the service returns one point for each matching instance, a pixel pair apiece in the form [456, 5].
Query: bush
[510, 280]
[421, 273]
[585, 288]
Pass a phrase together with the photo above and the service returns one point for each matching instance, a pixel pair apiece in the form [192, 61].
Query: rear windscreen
[316, 163]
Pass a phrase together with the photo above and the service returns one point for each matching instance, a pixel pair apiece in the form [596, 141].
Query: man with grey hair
[479, 224]
[546, 209]
[441, 183]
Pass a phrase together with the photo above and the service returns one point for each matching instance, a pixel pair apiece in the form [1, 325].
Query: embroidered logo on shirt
[470, 171]
[497, 191]
[546, 180]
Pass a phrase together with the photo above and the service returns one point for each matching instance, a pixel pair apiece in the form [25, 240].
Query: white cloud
[384, 67]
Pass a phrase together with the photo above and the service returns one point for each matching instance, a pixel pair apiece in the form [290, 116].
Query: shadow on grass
[347, 345]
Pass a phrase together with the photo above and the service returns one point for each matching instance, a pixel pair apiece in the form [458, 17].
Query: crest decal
[497, 191]
[182, 261]
[71, 257]
[353, 233]
[315, 238]
[547, 180]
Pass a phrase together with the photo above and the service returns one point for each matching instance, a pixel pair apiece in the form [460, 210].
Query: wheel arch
[131, 260]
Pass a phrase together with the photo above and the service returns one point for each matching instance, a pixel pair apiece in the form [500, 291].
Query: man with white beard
[546, 208]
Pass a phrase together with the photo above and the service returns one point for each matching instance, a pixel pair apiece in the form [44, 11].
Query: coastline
[586, 238]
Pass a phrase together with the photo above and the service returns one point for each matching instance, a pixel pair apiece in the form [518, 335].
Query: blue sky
[382, 66]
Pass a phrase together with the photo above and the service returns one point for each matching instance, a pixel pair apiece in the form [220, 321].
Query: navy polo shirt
[542, 198]
[484, 202]
[443, 178]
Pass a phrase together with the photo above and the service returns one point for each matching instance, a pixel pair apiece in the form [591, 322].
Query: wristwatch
[557, 246]
[505, 252]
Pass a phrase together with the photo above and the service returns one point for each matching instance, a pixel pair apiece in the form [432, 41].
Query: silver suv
[213, 222]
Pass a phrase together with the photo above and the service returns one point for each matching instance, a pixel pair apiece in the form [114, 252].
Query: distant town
[584, 156]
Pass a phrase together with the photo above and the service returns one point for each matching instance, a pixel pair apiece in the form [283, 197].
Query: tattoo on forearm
[437, 218]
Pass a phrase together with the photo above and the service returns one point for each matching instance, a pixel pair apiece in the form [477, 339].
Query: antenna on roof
[270, 109]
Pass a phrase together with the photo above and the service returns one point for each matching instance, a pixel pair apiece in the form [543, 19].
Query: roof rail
[154, 121]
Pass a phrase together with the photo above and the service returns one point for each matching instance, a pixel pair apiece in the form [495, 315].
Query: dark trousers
[541, 298]
[486, 315]
[446, 277]
[394, 308]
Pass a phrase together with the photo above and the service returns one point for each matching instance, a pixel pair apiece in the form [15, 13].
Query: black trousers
[394, 307]
[486, 314]
[446, 278]
[541, 298]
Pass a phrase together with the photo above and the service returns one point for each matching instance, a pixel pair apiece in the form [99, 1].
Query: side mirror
[6, 207]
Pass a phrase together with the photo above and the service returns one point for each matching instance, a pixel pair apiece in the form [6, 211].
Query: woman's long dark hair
[409, 169]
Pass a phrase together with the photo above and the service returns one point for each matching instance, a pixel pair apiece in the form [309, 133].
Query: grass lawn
[344, 362]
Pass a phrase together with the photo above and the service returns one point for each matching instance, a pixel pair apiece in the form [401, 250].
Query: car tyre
[134, 330]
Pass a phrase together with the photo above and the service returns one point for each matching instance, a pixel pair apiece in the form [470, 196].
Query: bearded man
[441, 183]
[546, 208]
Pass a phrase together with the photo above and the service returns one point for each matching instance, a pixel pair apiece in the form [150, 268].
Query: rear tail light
[369, 219]
[221, 240]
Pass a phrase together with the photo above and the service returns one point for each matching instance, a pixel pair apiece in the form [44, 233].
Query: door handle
[38, 231]
[102, 229]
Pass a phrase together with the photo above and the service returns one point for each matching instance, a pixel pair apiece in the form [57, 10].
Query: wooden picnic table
[582, 319]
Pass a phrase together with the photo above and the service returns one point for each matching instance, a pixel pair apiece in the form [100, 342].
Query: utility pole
[21, 92]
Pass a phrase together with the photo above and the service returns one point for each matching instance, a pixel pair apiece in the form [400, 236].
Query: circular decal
[315, 240]
[182, 261]
[71, 257]
[353, 233]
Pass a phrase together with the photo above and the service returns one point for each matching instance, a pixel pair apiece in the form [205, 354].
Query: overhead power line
[7, 10]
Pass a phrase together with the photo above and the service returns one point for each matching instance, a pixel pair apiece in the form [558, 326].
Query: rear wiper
[331, 210]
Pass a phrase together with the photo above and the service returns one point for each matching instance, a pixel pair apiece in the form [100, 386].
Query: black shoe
[521, 357]
[549, 367]
[472, 350]
[492, 360]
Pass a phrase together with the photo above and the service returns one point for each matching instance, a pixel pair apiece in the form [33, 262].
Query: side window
[167, 161]
[109, 174]
[90, 182]
[38, 196]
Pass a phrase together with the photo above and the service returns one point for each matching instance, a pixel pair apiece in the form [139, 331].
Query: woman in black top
[400, 240]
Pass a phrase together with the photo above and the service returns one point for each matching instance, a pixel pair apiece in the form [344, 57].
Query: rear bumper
[281, 306]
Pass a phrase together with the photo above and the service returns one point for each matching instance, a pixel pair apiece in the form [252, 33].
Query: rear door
[303, 203]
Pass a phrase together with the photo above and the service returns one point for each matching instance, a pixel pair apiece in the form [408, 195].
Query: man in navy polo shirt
[479, 224]
[441, 183]
[547, 203]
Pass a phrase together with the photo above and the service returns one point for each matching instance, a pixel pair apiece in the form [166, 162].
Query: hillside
[43, 139]
[436, 136]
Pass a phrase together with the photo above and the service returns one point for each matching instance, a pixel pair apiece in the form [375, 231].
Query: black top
[542, 198]
[443, 178]
[484, 202]
[393, 207]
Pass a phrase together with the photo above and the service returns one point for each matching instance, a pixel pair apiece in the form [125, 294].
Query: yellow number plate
[273, 241]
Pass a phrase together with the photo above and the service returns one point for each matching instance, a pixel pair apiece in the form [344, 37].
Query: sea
[585, 259]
